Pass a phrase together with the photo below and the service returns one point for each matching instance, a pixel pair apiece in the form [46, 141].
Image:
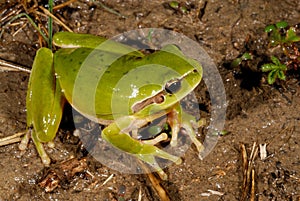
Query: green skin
[133, 97]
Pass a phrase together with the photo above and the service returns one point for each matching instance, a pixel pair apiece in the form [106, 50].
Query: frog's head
[171, 92]
[155, 82]
[174, 77]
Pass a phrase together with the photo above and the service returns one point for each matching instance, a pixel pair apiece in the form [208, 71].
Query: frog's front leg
[177, 118]
[121, 139]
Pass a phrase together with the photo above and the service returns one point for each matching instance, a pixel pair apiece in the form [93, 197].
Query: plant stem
[50, 21]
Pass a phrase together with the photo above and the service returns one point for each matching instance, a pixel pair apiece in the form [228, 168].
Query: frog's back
[88, 78]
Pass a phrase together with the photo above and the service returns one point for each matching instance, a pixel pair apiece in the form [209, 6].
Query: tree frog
[129, 91]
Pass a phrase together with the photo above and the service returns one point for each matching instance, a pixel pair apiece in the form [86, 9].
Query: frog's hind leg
[39, 146]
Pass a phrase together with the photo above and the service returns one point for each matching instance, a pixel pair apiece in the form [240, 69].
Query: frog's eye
[173, 86]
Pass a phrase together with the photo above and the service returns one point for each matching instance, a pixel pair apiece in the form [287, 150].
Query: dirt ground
[256, 112]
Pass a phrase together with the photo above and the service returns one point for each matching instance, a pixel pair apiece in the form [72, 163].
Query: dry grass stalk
[248, 173]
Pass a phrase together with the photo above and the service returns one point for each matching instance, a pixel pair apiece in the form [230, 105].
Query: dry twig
[11, 139]
[9, 66]
[248, 172]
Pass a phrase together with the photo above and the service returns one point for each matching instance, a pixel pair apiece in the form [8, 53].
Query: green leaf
[275, 60]
[246, 56]
[291, 35]
[281, 25]
[276, 38]
[174, 4]
[283, 67]
[281, 75]
[270, 28]
[294, 39]
[236, 62]
[183, 9]
[223, 132]
[268, 67]
[272, 76]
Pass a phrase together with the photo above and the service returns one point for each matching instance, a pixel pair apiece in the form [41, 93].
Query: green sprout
[275, 69]
[178, 7]
[246, 56]
[282, 35]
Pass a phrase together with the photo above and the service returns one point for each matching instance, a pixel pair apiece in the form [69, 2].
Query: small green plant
[275, 69]
[246, 56]
[280, 36]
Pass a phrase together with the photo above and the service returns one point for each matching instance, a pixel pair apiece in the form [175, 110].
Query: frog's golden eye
[173, 86]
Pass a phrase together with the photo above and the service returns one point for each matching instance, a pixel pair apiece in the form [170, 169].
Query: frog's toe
[174, 139]
[42, 153]
[45, 159]
[201, 122]
[40, 149]
[190, 126]
[25, 140]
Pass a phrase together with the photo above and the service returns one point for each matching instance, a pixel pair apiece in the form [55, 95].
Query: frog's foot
[148, 154]
[145, 152]
[39, 146]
